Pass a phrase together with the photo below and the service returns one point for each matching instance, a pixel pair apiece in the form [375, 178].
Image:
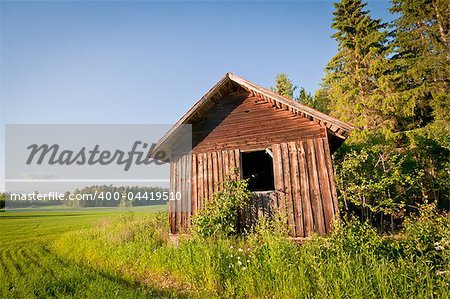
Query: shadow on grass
[150, 290]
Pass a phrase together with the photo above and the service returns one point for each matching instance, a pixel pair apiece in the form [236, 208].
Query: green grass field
[110, 253]
[29, 268]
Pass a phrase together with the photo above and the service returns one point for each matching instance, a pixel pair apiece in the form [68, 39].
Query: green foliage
[284, 86]
[373, 179]
[305, 97]
[394, 88]
[419, 71]
[319, 100]
[353, 73]
[355, 237]
[220, 216]
[427, 238]
[2, 201]
[386, 180]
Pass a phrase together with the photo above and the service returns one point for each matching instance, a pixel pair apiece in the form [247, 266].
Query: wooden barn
[283, 147]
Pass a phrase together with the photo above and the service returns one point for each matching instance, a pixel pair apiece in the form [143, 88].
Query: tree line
[391, 81]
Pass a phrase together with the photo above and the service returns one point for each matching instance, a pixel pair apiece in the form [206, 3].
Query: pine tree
[318, 101]
[305, 97]
[353, 74]
[284, 86]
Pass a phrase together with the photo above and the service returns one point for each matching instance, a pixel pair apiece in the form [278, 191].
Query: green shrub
[353, 236]
[427, 237]
[220, 216]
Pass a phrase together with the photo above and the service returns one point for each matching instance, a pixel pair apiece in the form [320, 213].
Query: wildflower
[239, 257]
[239, 263]
[240, 250]
[243, 268]
[248, 261]
[231, 246]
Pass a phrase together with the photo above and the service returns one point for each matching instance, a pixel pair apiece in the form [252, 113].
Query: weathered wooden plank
[256, 114]
[187, 178]
[226, 163]
[237, 162]
[220, 167]
[331, 176]
[210, 176]
[287, 185]
[200, 181]
[327, 200]
[172, 223]
[178, 189]
[257, 119]
[308, 220]
[205, 179]
[183, 198]
[296, 193]
[215, 169]
[187, 198]
[232, 162]
[319, 222]
[194, 187]
[279, 178]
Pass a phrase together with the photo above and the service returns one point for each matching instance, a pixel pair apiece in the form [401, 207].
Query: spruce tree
[421, 65]
[353, 74]
[284, 86]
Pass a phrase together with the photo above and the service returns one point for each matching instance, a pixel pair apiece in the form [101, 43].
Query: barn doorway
[257, 167]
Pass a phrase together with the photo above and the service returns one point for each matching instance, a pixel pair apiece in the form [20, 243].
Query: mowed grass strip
[30, 269]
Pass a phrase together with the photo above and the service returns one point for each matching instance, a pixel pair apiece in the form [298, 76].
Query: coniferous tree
[322, 99]
[284, 86]
[420, 72]
[353, 74]
[318, 101]
[305, 97]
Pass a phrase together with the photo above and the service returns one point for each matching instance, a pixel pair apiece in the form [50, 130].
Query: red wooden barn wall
[304, 183]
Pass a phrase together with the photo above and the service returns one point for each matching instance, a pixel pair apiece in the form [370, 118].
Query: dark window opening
[257, 167]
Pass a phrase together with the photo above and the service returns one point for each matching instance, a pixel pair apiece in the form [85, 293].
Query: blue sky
[148, 62]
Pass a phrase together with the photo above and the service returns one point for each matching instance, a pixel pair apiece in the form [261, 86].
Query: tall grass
[30, 269]
[354, 262]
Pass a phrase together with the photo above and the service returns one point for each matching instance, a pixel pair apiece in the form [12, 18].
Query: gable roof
[334, 126]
